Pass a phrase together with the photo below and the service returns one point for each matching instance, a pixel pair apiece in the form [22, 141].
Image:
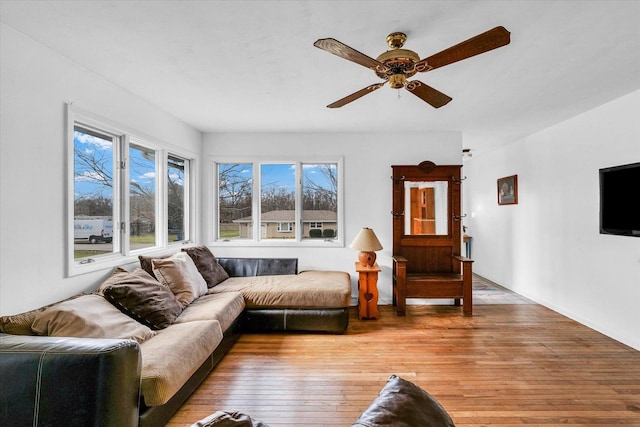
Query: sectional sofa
[134, 350]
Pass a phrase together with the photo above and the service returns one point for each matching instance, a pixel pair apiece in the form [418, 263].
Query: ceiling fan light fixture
[397, 81]
[399, 61]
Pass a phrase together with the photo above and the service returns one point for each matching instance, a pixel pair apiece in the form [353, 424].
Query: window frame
[159, 199]
[256, 240]
[117, 141]
[122, 252]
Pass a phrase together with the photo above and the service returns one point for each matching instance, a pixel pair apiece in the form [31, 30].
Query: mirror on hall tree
[426, 205]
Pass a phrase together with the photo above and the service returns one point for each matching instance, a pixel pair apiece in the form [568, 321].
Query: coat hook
[458, 217]
[398, 180]
[458, 181]
[396, 215]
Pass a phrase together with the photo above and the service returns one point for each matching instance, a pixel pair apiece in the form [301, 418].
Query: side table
[367, 291]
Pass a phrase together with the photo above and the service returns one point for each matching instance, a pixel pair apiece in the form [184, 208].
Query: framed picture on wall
[508, 190]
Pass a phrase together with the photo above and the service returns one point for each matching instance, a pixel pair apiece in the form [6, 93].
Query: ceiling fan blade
[428, 94]
[342, 50]
[489, 40]
[349, 98]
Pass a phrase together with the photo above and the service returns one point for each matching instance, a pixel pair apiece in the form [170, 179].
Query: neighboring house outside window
[277, 222]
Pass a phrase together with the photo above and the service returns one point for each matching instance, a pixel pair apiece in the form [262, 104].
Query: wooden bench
[432, 285]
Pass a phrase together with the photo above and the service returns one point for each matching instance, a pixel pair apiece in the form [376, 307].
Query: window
[235, 200]
[94, 176]
[320, 199]
[177, 198]
[120, 205]
[142, 197]
[289, 202]
[285, 227]
[278, 199]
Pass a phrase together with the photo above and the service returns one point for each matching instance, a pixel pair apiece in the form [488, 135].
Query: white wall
[35, 84]
[548, 247]
[367, 170]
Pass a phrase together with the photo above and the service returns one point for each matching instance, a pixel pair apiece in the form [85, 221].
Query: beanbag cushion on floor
[229, 419]
[404, 404]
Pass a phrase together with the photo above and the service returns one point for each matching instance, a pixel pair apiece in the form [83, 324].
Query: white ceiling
[250, 66]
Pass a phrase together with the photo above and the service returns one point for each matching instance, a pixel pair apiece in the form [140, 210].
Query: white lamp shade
[366, 240]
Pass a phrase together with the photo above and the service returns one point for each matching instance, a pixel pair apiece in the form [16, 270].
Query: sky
[142, 168]
[88, 181]
[282, 174]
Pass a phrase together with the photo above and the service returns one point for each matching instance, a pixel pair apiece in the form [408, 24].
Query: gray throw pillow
[207, 265]
[404, 404]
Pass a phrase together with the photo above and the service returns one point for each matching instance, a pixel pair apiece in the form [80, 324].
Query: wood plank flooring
[507, 365]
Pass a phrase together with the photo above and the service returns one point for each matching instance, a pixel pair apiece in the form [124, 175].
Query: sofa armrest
[247, 267]
[69, 381]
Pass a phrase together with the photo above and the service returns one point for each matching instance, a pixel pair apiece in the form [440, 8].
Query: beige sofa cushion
[89, 316]
[173, 355]
[309, 289]
[20, 324]
[224, 307]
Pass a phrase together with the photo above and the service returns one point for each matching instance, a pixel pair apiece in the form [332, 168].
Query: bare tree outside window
[235, 193]
[142, 197]
[176, 198]
[320, 200]
[277, 201]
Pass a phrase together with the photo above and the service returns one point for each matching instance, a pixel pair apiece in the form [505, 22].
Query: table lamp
[366, 242]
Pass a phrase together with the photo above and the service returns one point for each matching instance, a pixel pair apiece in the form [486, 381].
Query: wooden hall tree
[427, 222]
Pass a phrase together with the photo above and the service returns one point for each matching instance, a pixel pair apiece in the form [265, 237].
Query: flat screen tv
[620, 200]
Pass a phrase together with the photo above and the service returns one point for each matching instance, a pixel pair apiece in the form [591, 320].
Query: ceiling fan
[396, 65]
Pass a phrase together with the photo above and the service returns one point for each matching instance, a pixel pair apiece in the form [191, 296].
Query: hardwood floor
[507, 365]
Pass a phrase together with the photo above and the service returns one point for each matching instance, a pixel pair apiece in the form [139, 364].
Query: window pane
[277, 201]
[142, 197]
[176, 198]
[93, 193]
[235, 195]
[320, 200]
